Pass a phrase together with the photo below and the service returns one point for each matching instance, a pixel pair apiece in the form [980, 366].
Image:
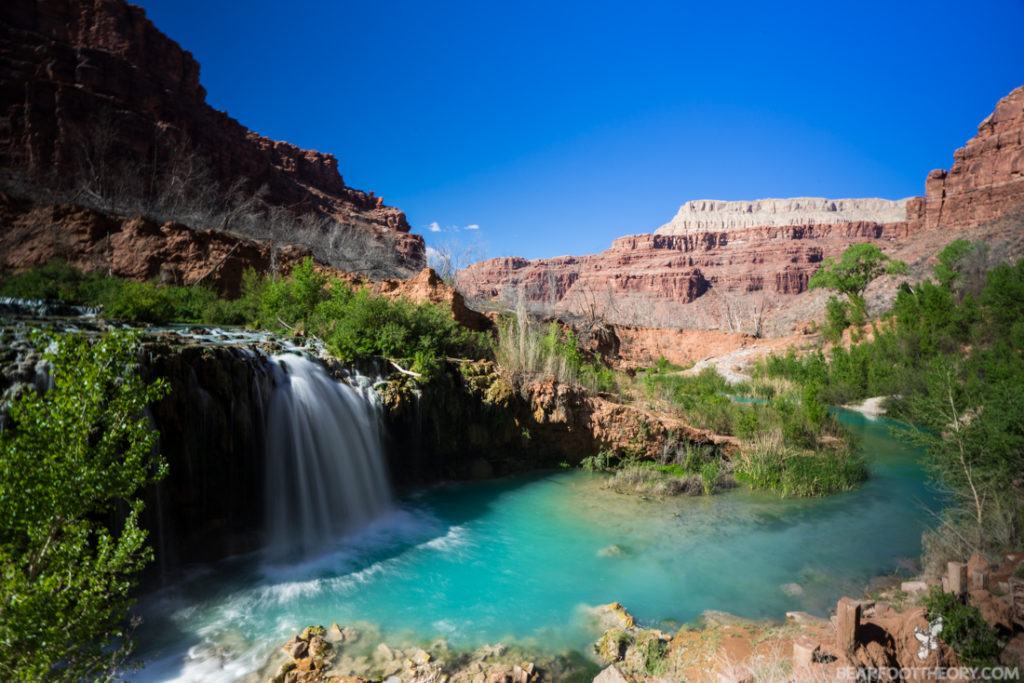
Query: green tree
[71, 470]
[855, 269]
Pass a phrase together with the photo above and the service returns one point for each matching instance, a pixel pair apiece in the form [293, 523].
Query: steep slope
[95, 100]
[713, 267]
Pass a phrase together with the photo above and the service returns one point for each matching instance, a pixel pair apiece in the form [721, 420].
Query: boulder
[610, 675]
[978, 571]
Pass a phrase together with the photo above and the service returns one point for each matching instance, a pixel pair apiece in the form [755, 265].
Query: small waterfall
[324, 463]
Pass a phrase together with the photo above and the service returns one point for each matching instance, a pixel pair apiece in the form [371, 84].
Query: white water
[325, 466]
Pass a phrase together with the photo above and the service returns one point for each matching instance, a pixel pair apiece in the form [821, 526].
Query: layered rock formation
[86, 80]
[987, 177]
[730, 280]
[706, 215]
[744, 267]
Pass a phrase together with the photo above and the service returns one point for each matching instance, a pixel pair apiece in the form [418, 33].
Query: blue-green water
[521, 558]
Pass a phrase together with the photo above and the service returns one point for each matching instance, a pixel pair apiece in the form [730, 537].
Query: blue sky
[556, 127]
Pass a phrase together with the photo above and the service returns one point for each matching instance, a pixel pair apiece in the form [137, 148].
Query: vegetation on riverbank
[789, 443]
[951, 354]
[73, 464]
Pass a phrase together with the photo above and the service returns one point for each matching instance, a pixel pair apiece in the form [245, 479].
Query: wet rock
[792, 589]
[335, 634]
[296, 648]
[383, 653]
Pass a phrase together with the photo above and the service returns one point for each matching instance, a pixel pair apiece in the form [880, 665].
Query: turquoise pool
[521, 558]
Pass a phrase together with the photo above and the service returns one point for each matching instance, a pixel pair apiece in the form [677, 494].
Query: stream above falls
[521, 558]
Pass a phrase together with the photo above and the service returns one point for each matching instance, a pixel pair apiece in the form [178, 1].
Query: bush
[836, 319]
[525, 349]
[75, 460]
[963, 629]
[768, 464]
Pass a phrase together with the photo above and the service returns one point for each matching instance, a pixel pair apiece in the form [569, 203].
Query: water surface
[521, 558]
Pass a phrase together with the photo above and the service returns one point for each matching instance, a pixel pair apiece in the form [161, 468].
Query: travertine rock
[708, 215]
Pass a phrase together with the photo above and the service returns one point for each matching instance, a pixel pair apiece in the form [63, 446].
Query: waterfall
[324, 462]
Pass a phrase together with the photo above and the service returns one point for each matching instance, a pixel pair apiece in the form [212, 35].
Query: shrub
[836, 319]
[76, 456]
[963, 629]
[525, 349]
[709, 472]
[767, 463]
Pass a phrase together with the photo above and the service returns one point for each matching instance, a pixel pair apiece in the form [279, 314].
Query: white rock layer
[702, 215]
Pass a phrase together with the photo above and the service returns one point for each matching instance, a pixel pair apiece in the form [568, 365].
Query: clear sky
[546, 128]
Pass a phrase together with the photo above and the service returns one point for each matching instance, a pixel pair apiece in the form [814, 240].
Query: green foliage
[654, 650]
[525, 349]
[75, 457]
[771, 466]
[855, 269]
[709, 472]
[963, 629]
[354, 324]
[55, 281]
[798, 459]
[137, 302]
[599, 462]
[837, 319]
[952, 352]
[950, 260]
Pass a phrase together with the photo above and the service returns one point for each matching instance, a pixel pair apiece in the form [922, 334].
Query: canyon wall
[986, 180]
[93, 87]
[744, 267]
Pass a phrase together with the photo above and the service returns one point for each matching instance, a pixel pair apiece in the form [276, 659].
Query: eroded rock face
[709, 215]
[730, 280]
[986, 180]
[134, 248]
[71, 65]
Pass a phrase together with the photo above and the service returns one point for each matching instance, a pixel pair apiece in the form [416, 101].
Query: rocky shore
[870, 638]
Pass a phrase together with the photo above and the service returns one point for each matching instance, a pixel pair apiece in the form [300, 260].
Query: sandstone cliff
[95, 100]
[743, 267]
[706, 215]
[987, 177]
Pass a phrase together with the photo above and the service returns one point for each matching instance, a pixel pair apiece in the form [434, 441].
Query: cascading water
[325, 466]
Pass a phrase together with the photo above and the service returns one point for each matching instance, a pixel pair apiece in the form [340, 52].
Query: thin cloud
[472, 226]
[434, 226]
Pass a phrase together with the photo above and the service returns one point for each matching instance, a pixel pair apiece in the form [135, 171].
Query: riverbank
[864, 638]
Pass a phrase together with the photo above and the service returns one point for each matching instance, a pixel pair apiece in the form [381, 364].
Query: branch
[403, 370]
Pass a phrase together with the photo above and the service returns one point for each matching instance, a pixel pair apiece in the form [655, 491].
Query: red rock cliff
[987, 177]
[68, 64]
